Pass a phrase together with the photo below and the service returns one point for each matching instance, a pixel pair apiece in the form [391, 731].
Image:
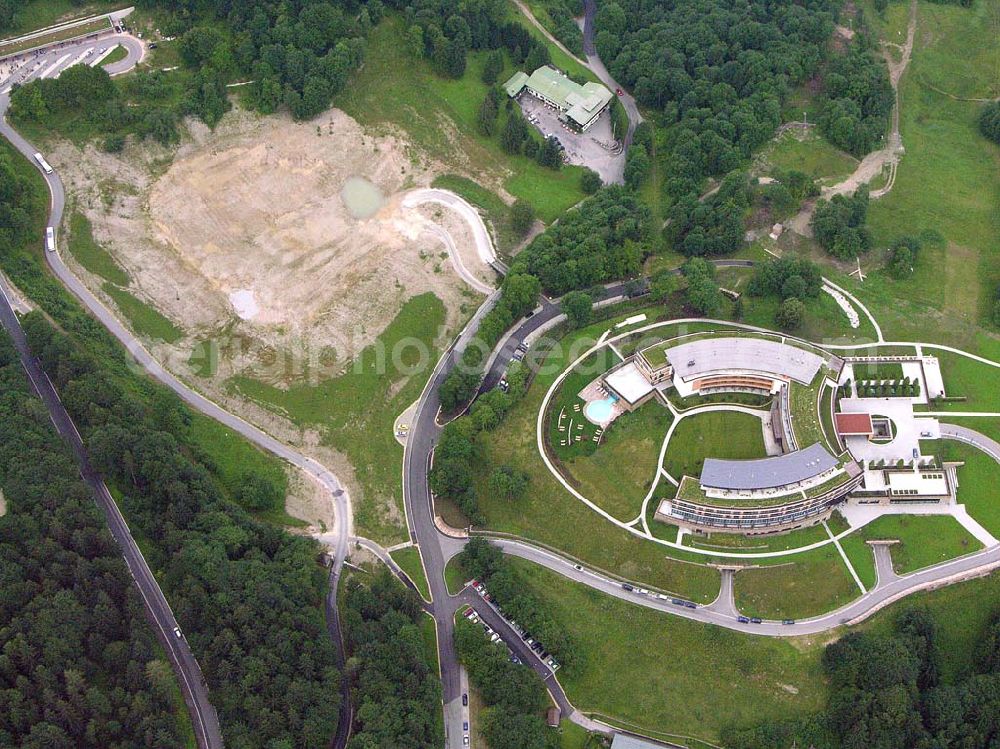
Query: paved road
[309, 465]
[192, 683]
[337, 539]
[595, 64]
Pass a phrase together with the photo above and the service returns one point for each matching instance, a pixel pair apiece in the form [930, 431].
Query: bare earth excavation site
[289, 234]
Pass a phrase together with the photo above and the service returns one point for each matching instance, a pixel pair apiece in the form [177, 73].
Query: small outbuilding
[854, 425]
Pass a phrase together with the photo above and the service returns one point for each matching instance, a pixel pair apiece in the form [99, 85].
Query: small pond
[362, 198]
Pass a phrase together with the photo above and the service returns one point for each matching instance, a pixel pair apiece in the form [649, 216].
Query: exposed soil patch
[243, 238]
[247, 231]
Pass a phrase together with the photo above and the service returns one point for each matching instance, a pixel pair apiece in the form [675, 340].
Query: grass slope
[665, 674]
[355, 411]
[396, 90]
[619, 473]
[409, 561]
[812, 583]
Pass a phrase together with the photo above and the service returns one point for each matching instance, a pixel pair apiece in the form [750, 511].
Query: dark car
[788, 621]
[743, 619]
[756, 620]
[677, 601]
[465, 700]
[626, 586]
[690, 605]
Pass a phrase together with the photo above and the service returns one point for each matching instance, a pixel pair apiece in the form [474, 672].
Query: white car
[50, 239]
[177, 632]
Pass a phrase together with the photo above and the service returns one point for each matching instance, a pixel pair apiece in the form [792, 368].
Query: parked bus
[43, 163]
[50, 239]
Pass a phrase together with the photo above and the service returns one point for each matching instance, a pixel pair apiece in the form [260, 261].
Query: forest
[248, 595]
[396, 693]
[297, 54]
[887, 692]
[716, 72]
[514, 695]
[80, 666]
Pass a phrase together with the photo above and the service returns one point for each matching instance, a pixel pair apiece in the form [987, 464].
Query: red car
[619, 92]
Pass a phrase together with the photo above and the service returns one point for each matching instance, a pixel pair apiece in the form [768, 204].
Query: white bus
[43, 163]
[50, 239]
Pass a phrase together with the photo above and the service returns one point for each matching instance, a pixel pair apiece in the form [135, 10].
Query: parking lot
[596, 148]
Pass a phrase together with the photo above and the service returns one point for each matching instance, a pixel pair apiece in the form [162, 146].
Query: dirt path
[871, 166]
[537, 24]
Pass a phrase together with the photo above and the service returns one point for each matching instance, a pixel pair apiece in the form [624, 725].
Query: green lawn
[118, 54]
[978, 480]
[429, 631]
[617, 476]
[495, 211]
[811, 154]
[232, 459]
[924, 539]
[143, 318]
[862, 558]
[454, 577]
[38, 14]
[812, 583]
[90, 254]
[715, 434]
[355, 411]
[666, 674]
[409, 561]
[550, 515]
[397, 90]
[804, 403]
[979, 383]
[948, 179]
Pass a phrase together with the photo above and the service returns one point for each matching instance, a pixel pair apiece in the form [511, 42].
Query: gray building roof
[742, 353]
[767, 473]
[621, 741]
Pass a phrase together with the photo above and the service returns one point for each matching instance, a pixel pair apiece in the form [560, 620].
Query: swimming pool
[599, 411]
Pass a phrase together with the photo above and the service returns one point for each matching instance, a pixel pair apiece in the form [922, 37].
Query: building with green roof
[580, 105]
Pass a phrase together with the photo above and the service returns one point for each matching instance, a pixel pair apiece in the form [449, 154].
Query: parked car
[465, 700]
[177, 632]
[626, 586]
[690, 605]
[788, 621]
[578, 568]
[756, 620]
[743, 619]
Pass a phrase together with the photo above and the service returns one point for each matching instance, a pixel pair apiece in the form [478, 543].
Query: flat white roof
[629, 383]
[744, 354]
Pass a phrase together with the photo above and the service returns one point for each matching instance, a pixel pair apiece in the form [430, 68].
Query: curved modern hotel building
[810, 468]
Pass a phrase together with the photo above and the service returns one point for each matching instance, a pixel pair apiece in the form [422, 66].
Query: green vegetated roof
[581, 103]
[515, 83]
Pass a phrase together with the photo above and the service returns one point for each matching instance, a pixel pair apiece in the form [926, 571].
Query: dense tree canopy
[839, 225]
[80, 666]
[717, 72]
[395, 688]
[989, 121]
[858, 99]
[248, 595]
[606, 238]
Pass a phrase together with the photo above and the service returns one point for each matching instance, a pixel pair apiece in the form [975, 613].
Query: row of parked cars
[535, 646]
[660, 596]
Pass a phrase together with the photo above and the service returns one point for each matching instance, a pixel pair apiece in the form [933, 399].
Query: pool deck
[595, 392]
